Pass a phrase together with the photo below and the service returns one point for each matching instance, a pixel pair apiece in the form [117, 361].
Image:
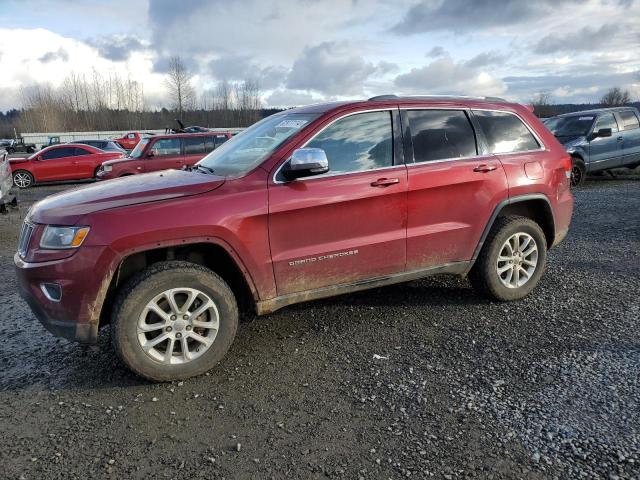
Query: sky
[307, 51]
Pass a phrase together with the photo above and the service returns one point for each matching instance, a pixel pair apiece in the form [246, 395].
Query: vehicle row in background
[599, 139]
[17, 145]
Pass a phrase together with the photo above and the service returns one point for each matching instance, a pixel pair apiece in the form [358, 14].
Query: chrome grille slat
[25, 238]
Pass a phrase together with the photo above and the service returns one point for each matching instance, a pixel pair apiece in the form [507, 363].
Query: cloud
[117, 47]
[444, 76]
[331, 68]
[485, 59]
[465, 15]
[585, 39]
[60, 54]
[436, 51]
[239, 67]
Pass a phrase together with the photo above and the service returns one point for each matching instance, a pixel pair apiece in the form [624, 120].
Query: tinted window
[440, 134]
[506, 133]
[58, 153]
[166, 146]
[629, 120]
[82, 151]
[194, 145]
[358, 142]
[606, 121]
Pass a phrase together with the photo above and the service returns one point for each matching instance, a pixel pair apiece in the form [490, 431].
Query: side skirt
[264, 307]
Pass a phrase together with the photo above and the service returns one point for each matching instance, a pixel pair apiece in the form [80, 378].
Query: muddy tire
[511, 261]
[173, 320]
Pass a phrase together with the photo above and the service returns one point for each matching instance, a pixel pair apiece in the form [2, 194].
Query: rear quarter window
[505, 132]
[629, 120]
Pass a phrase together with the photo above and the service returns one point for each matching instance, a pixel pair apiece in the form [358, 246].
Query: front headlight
[107, 168]
[59, 238]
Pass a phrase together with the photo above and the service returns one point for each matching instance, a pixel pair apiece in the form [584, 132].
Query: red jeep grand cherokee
[163, 152]
[308, 203]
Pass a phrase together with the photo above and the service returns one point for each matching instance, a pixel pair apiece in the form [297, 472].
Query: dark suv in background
[305, 204]
[599, 139]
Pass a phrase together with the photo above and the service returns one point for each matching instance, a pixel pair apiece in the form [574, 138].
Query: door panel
[167, 155]
[85, 164]
[53, 169]
[449, 204]
[337, 229]
[605, 152]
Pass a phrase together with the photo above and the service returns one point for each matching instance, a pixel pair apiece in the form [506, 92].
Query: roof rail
[412, 97]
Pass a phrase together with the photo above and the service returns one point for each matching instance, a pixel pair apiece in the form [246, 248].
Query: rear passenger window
[82, 151]
[629, 120]
[194, 145]
[505, 132]
[220, 139]
[358, 142]
[441, 134]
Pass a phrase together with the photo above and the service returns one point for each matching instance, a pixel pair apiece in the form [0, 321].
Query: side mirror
[306, 162]
[39, 158]
[151, 153]
[603, 132]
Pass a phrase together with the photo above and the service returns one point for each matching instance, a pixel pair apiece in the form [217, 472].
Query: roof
[595, 111]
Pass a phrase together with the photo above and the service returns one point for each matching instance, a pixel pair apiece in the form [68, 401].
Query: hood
[570, 140]
[67, 208]
[121, 159]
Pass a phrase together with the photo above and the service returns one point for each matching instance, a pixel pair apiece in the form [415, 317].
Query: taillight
[567, 163]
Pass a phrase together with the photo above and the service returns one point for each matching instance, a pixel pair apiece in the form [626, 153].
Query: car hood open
[67, 208]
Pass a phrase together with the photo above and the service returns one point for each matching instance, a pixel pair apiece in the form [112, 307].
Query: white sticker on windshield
[585, 118]
[291, 124]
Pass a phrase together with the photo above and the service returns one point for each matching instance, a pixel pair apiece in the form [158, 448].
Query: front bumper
[76, 316]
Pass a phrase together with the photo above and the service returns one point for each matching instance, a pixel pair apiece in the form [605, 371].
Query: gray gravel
[419, 380]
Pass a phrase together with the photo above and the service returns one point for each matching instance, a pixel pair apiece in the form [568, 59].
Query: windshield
[247, 150]
[573, 126]
[137, 151]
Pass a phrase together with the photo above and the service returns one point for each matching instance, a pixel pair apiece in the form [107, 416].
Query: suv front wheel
[174, 320]
[512, 259]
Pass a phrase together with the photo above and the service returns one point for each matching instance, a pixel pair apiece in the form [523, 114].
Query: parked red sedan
[59, 162]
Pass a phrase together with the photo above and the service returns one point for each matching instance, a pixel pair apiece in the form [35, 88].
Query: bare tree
[543, 105]
[179, 85]
[615, 97]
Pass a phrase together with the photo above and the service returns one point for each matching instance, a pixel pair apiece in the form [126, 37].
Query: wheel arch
[535, 206]
[215, 255]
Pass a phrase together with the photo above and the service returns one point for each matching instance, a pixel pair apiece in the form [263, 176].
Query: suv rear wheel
[174, 320]
[512, 259]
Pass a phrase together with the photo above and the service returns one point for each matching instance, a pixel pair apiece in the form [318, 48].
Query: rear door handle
[385, 182]
[620, 139]
[485, 168]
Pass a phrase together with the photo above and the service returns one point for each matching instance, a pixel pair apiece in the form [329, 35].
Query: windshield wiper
[206, 169]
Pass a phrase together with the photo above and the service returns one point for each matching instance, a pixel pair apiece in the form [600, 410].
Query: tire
[30, 150]
[578, 173]
[23, 179]
[131, 313]
[485, 277]
[10, 150]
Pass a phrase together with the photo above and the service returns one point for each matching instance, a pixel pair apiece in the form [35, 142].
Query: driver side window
[359, 142]
[606, 121]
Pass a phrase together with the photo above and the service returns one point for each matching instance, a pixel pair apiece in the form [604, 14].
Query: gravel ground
[419, 380]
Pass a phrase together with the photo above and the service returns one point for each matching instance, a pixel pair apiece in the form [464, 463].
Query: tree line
[117, 102]
[544, 106]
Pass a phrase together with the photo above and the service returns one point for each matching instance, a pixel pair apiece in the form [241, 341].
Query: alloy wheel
[517, 260]
[178, 325]
[22, 180]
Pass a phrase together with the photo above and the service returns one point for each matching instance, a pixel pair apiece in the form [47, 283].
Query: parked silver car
[6, 182]
[599, 139]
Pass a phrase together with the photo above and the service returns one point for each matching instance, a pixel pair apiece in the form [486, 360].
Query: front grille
[25, 238]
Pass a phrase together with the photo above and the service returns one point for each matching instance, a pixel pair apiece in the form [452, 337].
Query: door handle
[138, 168]
[620, 139]
[485, 168]
[385, 182]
